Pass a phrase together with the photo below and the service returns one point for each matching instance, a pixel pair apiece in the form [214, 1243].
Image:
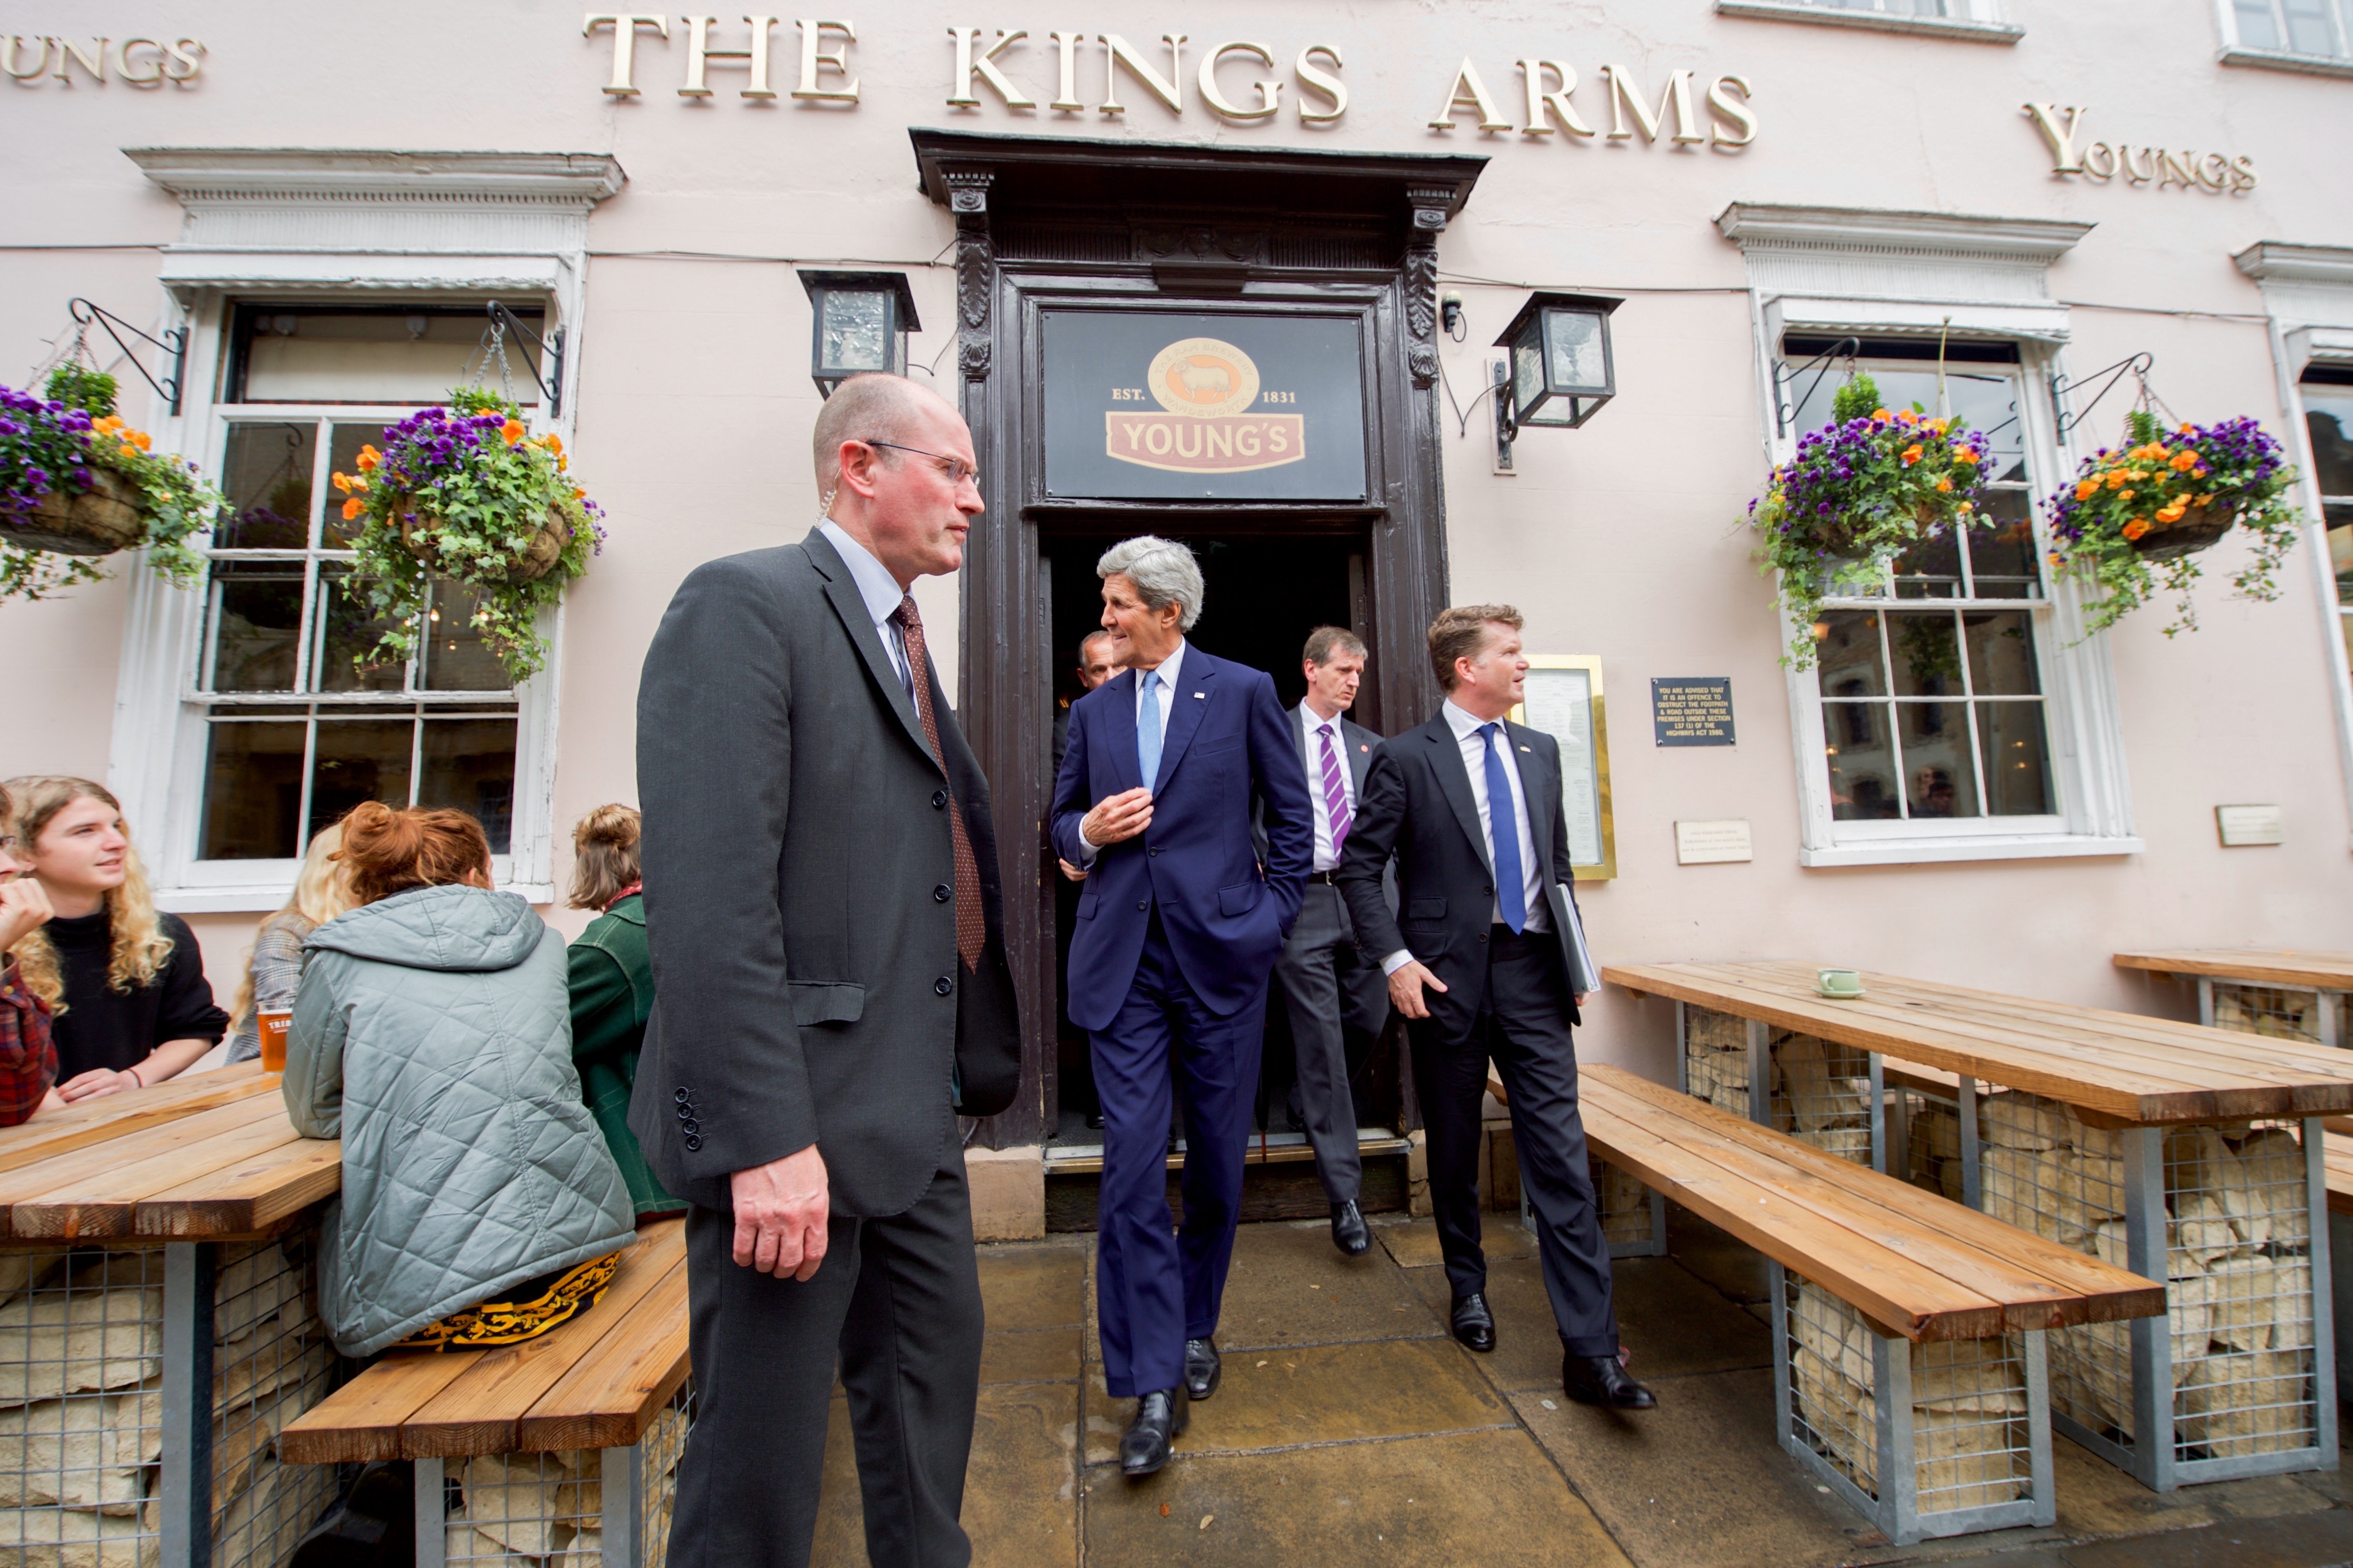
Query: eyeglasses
[956, 469]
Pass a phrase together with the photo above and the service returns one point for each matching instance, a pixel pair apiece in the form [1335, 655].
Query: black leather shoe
[1094, 1121]
[1348, 1232]
[1474, 1324]
[1159, 1417]
[1202, 1368]
[1599, 1380]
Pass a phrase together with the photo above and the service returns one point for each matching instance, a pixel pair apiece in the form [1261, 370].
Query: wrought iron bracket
[1784, 408]
[551, 349]
[175, 342]
[2138, 366]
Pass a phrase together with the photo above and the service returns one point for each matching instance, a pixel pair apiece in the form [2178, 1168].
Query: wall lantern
[859, 322]
[1560, 370]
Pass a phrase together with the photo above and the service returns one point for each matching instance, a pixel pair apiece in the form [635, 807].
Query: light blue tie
[1503, 827]
[1147, 729]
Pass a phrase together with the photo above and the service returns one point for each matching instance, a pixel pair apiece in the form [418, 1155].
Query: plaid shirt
[29, 1057]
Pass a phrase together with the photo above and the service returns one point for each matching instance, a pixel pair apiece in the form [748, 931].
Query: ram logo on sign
[1205, 386]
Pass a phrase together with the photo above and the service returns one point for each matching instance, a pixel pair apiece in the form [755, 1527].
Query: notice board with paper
[1563, 700]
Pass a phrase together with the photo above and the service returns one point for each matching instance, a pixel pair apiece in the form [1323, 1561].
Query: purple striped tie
[1335, 794]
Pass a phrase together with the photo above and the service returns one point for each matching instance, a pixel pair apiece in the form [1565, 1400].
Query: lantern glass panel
[1527, 379]
[854, 331]
[1575, 347]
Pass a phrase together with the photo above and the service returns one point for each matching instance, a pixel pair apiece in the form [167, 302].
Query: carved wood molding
[1429, 205]
[976, 266]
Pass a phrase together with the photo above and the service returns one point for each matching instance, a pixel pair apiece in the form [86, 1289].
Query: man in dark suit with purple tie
[1178, 929]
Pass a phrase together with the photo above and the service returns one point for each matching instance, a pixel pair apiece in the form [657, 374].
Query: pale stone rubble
[546, 1510]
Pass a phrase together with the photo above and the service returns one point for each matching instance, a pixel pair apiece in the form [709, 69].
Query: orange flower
[553, 442]
[1881, 416]
[2127, 495]
[2135, 528]
[108, 425]
[1939, 426]
[2172, 513]
[1908, 416]
[513, 430]
[579, 494]
[1965, 455]
[2086, 488]
[1912, 453]
[353, 508]
[2199, 501]
[1968, 507]
[2185, 459]
[1943, 485]
[369, 457]
[340, 481]
[2057, 559]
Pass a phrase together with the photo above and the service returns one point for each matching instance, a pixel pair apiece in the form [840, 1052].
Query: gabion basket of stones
[558, 1510]
[1816, 1090]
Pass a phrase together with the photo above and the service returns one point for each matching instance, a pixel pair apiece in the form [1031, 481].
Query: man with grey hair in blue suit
[1178, 929]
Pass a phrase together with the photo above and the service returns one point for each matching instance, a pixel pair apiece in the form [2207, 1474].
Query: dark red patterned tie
[972, 925]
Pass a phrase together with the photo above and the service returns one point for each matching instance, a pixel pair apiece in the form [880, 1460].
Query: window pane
[2328, 416]
[1862, 762]
[856, 329]
[2002, 558]
[299, 355]
[257, 625]
[1940, 775]
[348, 631]
[1927, 655]
[454, 659]
[2002, 655]
[343, 444]
[469, 765]
[2017, 759]
[1930, 569]
[2340, 549]
[1848, 657]
[359, 759]
[253, 792]
[267, 477]
[2308, 30]
[2256, 30]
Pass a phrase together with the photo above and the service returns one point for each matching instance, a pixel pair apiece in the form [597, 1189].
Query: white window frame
[1873, 274]
[2309, 297]
[430, 226]
[2233, 52]
[1980, 22]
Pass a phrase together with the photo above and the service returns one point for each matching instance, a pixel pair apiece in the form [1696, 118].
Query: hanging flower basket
[465, 493]
[76, 484]
[1862, 491]
[2138, 514]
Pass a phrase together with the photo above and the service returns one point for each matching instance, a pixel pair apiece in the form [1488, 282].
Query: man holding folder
[1486, 957]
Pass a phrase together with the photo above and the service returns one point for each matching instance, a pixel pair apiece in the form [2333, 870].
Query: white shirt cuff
[1395, 962]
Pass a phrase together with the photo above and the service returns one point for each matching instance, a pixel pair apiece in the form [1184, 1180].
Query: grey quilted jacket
[433, 1035]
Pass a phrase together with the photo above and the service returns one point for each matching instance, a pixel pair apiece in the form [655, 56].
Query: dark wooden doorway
[1061, 222]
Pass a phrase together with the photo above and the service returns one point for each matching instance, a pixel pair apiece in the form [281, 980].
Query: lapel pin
[1360, 746]
[1530, 749]
[1201, 694]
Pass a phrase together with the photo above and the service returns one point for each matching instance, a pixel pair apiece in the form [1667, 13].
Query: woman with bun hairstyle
[274, 968]
[125, 981]
[612, 982]
[28, 1051]
[431, 1034]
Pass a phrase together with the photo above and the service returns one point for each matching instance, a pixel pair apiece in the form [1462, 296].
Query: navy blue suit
[1178, 929]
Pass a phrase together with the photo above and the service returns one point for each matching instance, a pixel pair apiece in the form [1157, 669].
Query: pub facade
[1381, 309]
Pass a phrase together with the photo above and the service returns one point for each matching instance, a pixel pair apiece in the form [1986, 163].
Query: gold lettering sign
[138, 62]
[2062, 127]
[1205, 384]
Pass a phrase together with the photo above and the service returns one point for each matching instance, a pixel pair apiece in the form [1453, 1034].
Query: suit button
[939, 800]
[943, 985]
[685, 1113]
[1142, 905]
[1489, 889]
[942, 894]
[693, 1128]
[693, 1144]
[1482, 936]
[1152, 852]
[681, 1097]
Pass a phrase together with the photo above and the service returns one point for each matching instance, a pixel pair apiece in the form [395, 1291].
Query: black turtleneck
[99, 1027]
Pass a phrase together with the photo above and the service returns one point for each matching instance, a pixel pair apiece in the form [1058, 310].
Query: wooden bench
[2281, 992]
[549, 1440]
[1909, 1366]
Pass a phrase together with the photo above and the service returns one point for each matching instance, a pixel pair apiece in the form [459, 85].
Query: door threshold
[1275, 1149]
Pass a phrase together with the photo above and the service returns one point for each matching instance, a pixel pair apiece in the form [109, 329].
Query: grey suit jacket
[799, 880]
[1362, 746]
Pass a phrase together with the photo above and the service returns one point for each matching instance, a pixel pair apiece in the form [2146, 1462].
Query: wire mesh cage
[1634, 1218]
[81, 1408]
[1967, 1416]
[548, 1509]
[1715, 1058]
[272, 1361]
[2279, 1013]
[1822, 1094]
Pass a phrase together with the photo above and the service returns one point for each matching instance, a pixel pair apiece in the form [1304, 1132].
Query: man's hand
[1075, 873]
[24, 909]
[781, 1214]
[1117, 817]
[1405, 987]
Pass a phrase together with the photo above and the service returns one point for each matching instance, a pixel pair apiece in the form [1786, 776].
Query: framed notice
[1203, 406]
[1563, 700]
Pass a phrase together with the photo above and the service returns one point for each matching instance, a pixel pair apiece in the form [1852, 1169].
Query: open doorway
[1264, 592]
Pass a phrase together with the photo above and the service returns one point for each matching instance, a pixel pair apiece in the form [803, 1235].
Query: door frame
[1052, 220]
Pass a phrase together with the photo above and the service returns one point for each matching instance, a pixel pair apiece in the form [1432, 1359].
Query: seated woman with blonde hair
[126, 981]
[612, 981]
[431, 1034]
[274, 968]
[28, 1051]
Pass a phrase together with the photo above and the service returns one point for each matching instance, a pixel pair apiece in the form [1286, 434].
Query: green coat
[612, 981]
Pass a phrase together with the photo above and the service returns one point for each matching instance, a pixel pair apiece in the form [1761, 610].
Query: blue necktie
[1147, 729]
[1503, 827]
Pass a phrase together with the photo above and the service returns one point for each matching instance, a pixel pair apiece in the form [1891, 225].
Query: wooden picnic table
[2240, 970]
[190, 1210]
[2095, 1112]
